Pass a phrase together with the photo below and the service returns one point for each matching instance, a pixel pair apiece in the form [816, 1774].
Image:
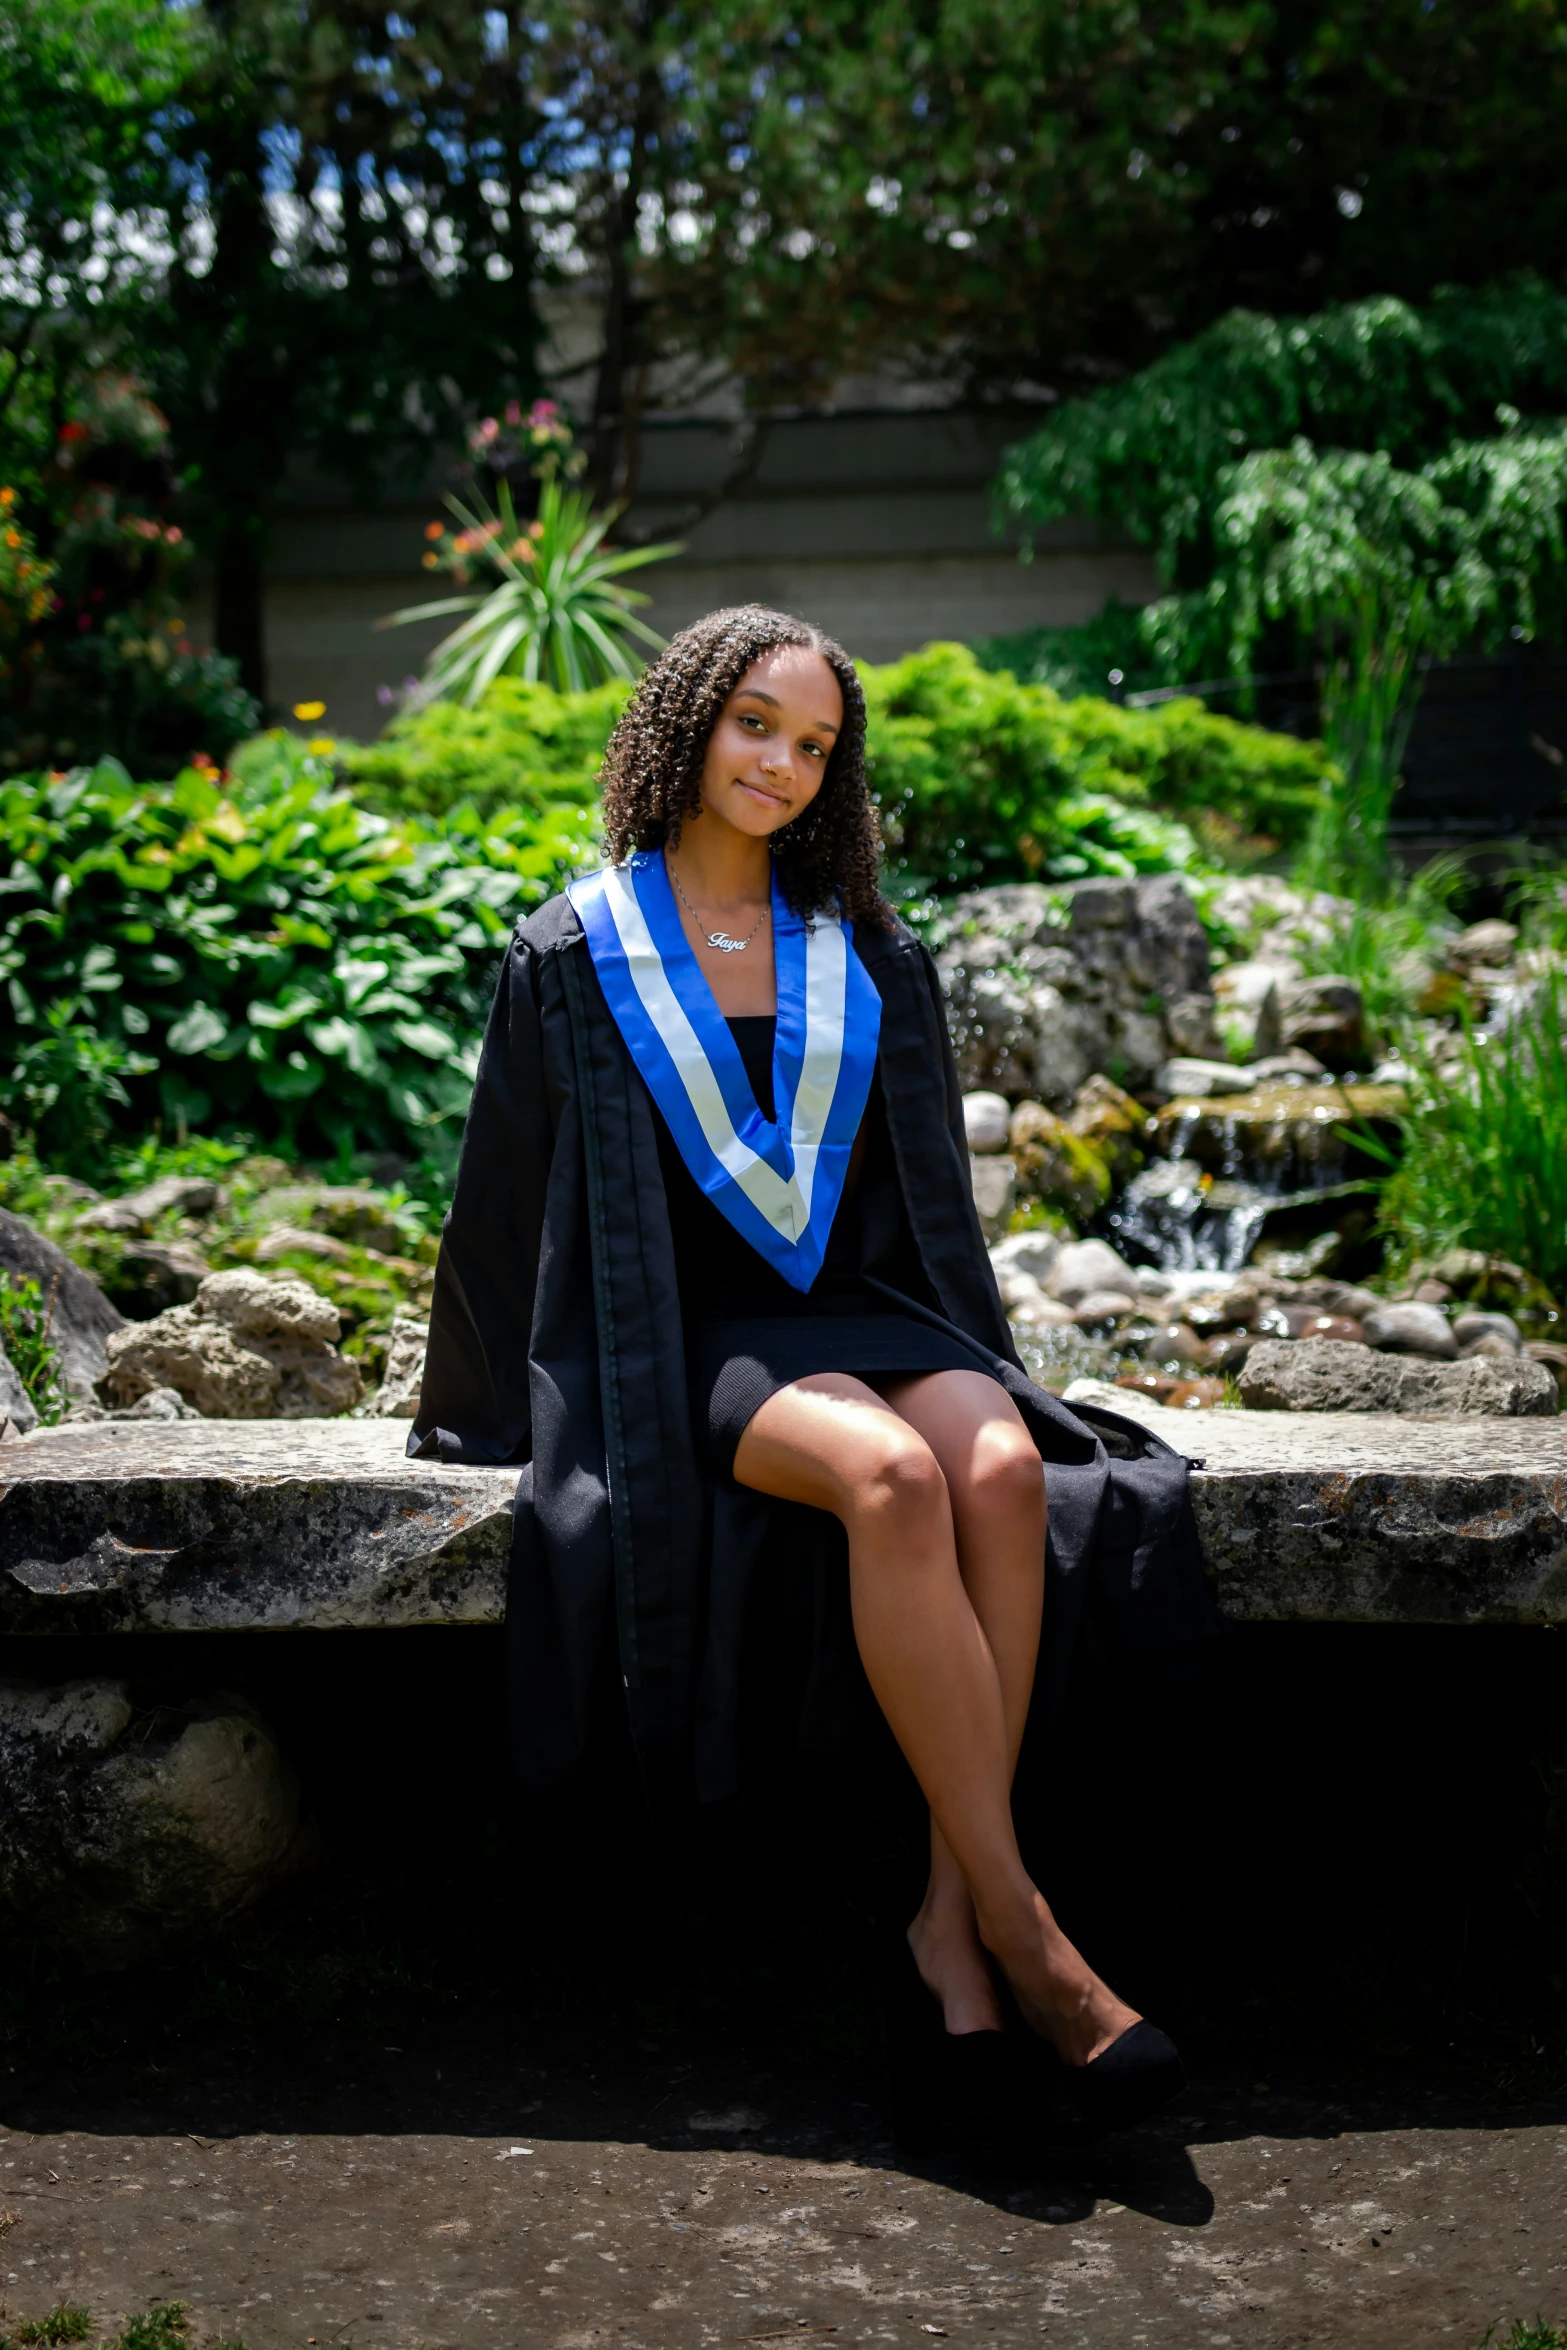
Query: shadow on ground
[1332, 1864]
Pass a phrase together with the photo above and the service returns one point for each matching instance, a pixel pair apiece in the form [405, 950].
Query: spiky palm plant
[557, 611]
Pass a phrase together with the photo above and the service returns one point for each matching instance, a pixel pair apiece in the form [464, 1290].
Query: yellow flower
[321, 744]
[308, 710]
[430, 562]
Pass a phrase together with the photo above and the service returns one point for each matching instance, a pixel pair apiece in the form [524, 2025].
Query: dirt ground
[456, 2192]
[485, 2081]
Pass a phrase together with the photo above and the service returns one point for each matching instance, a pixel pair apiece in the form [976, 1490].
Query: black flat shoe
[1127, 2081]
[948, 2088]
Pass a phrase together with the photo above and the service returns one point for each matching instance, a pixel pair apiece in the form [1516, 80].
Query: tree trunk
[239, 618]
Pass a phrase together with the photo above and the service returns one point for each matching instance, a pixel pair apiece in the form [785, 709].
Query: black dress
[748, 1332]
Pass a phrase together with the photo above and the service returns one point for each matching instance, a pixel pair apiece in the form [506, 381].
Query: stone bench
[270, 1526]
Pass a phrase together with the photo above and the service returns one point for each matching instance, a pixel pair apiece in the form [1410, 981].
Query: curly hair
[652, 771]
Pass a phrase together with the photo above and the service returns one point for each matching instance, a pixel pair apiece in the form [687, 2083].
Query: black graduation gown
[556, 1342]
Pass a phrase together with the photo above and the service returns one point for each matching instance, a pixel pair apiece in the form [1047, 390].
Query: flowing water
[1226, 1170]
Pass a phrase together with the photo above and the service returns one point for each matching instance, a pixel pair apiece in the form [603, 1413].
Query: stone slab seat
[245, 1526]
[254, 1526]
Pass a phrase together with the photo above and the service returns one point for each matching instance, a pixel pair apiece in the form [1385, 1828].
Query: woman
[712, 1250]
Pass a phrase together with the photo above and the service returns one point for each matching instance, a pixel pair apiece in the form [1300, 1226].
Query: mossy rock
[1056, 1165]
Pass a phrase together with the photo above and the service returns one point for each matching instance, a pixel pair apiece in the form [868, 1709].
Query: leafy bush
[526, 748]
[262, 953]
[981, 778]
[95, 654]
[1484, 1143]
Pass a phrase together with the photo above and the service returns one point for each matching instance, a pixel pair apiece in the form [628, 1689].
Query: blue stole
[778, 1181]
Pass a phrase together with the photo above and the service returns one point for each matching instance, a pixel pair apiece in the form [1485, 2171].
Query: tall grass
[1484, 1157]
[1387, 946]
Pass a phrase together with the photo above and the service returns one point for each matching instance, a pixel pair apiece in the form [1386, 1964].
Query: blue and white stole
[778, 1181]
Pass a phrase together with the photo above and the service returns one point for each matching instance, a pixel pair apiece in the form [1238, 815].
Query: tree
[352, 255]
[1358, 488]
[1020, 198]
[83, 86]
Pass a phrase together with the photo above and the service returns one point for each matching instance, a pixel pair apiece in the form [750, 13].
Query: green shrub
[25, 1318]
[526, 749]
[269, 956]
[1484, 1144]
[981, 778]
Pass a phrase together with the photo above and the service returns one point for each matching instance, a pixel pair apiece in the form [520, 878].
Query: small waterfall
[1222, 1168]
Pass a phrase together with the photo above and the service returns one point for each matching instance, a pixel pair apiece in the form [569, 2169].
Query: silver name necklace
[719, 939]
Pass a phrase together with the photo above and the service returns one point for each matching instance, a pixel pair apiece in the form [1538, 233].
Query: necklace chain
[718, 939]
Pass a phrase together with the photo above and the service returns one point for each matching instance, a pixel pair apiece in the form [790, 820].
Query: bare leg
[832, 1442]
[997, 1494]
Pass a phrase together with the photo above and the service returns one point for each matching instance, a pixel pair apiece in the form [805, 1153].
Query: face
[774, 737]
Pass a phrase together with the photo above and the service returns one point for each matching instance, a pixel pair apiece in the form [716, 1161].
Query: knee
[1004, 1473]
[900, 1484]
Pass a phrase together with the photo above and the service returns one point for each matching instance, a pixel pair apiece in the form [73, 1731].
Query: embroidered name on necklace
[778, 1180]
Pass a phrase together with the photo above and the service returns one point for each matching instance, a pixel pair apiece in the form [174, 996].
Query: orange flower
[432, 530]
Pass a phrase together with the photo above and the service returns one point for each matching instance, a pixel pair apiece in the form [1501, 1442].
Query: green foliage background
[303, 950]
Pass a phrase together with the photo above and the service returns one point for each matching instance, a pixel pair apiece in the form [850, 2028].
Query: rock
[1487, 943]
[1406, 1327]
[397, 1397]
[1461, 1268]
[1247, 1000]
[1111, 1122]
[286, 1240]
[995, 1191]
[138, 1211]
[1084, 1266]
[231, 1526]
[1031, 1253]
[344, 1211]
[123, 1831]
[1340, 1297]
[1102, 1305]
[1035, 1008]
[153, 1275]
[1341, 1328]
[1491, 1343]
[159, 1403]
[1176, 1342]
[16, 1405]
[1191, 1026]
[1292, 1068]
[1325, 1016]
[1196, 1080]
[1469, 1328]
[1053, 1163]
[1326, 1377]
[1068, 1043]
[1429, 1293]
[81, 1318]
[325, 1525]
[986, 1120]
[248, 1349]
[1034, 1311]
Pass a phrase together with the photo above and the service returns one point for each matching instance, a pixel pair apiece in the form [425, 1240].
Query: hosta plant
[252, 951]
